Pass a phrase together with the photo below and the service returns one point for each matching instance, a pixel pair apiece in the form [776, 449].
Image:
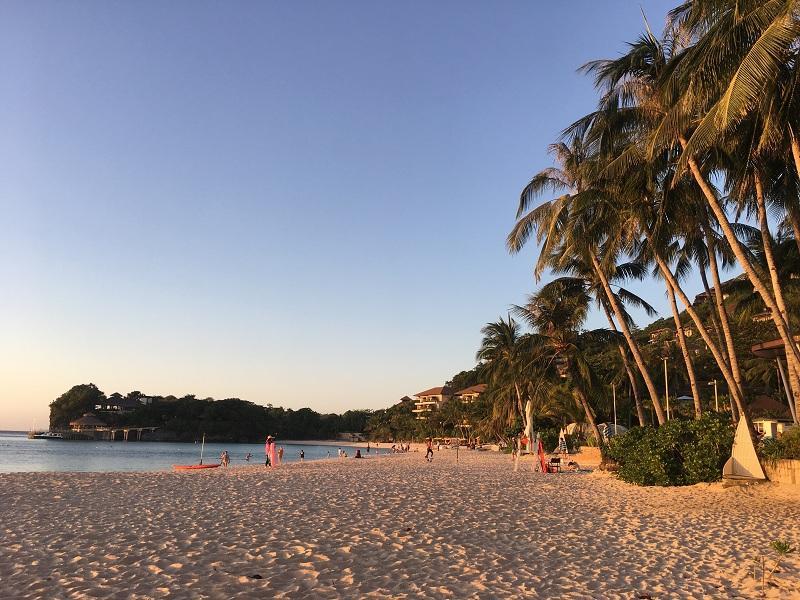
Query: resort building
[430, 400]
[470, 394]
[88, 422]
[772, 428]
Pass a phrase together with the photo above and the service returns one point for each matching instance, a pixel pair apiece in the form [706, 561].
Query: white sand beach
[392, 527]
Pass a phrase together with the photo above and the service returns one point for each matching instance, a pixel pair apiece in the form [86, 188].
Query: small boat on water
[46, 435]
[193, 467]
[198, 466]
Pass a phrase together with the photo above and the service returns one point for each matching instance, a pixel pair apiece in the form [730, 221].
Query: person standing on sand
[367, 447]
[429, 451]
[280, 455]
[224, 459]
[269, 450]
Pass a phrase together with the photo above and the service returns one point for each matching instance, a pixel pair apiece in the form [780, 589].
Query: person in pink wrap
[270, 452]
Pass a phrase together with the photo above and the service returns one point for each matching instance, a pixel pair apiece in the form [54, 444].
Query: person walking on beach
[367, 447]
[429, 451]
[224, 459]
[302, 455]
[280, 455]
[269, 450]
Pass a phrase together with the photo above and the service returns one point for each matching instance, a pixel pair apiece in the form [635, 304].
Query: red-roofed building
[470, 394]
[430, 400]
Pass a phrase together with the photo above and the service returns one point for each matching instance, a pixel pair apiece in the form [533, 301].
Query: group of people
[273, 454]
[400, 448]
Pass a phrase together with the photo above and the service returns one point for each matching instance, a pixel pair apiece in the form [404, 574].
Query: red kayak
[193, 467]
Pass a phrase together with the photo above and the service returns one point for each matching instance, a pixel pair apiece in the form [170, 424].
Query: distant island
[86, 412]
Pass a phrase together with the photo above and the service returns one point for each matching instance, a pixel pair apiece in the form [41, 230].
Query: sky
[295, 203]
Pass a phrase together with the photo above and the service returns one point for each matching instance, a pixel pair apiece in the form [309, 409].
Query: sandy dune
[393, 527]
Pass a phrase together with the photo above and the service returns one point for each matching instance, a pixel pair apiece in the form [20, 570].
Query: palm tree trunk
[711, 308]
[766, 240]
[794, 219]
[582, 400]
[723, 366]
[520, 409]
[637, 398]
[687, 358]
[796, 153]
[637, 355]
[719, 300]
[741, 257]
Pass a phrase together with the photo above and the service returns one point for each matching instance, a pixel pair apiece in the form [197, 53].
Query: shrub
[785, 447]
[677, 453]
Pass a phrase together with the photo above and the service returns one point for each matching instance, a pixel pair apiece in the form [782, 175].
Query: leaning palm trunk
[637, 355]
[735, 391]
[766, 239]
[719, 300]
[584, 403]
[637, 398]
[687, 358]
[525, 414]
[792, 352]
[711, 308]
[796, 153]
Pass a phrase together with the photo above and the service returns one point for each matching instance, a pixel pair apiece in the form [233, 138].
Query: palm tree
[636, 111]
[557, 313]
[505, 359]
[740, 69]
[551, 222]
[578, 270]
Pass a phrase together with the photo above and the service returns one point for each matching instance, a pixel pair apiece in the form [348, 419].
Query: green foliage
[229, 420]
[465, 379]
[785, 447]
[73, 404]
[549, 438]
[677, 453]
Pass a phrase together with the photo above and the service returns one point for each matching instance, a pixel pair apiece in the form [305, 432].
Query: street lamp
[716, 398]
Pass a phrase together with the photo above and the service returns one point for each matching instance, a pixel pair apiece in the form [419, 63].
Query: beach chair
[554, 466]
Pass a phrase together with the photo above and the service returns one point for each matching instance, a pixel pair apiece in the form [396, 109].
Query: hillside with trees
[188, 418]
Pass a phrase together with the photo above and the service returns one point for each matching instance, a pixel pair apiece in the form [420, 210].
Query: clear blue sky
[297, 203]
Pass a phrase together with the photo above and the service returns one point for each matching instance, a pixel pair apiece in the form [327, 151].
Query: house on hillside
[118, 404]
[470, 394]
[661, 335]
[430, 400]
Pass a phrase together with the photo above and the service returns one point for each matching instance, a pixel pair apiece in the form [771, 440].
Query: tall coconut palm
[557, 313]
[506, 357]
[578, 270]
[549, 222]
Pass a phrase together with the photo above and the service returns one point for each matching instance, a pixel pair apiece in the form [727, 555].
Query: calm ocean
[18, 453]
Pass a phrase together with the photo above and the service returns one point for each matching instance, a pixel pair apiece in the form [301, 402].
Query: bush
[677, 453]
[785, 447]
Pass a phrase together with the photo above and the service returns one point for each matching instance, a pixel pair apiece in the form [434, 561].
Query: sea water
[18, 453]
